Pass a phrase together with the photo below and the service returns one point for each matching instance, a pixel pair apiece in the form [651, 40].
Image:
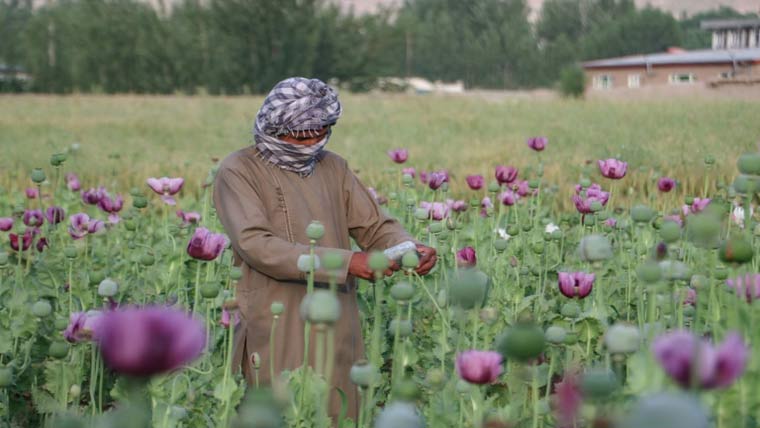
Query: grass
[125, 139]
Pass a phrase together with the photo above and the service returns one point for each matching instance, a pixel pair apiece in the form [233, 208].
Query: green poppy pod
[6, 377]
[58, 349]
[736, 249]
[749, 163]
[468, 288]
[521, 342]
[315, 230]
[599, 383]
[363, 373]
[320, 307]
[402, 291]
[38, 175]
[333, 261]
[410, 260]
[42, 309]
[670, 231]
[277, 308]
[642, 214]
[209, 290]
[404, 327]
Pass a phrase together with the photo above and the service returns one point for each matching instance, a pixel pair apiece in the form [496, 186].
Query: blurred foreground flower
[166, 187]
[613, 168]
[32, 193]
[479, 367]
[747, 286]
[93, 196]
[398, 155]
[111, 206]
[576, 284]
[189, 217]
[6, 224]
[687, 358]
[568, 399]
[33, 218]
[143, 342]
[206, 245]
[435, 210]
[409, 171]
[669, 410]
[697, 206]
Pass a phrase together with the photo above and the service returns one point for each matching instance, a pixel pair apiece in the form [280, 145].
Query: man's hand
[358, 266]
[428, 258]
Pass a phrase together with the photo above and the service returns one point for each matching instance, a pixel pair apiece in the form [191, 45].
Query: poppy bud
[649, 272]
[500, 244]
[570, 310]
[333, 261]
[468, 288]
[406, 390]
[585, 182]
[421, 214]
[277, 308]
[256, 360]
[513, 230]
[594, 248]
[670, 231]
[3, 258]
[38, 175]
[315, 230]
[407, 179]
[699, 282]
[139, 202]
[147, 259]
[435, 227]
[41, 308]
[642, 214]
[720, 273]
[736, 249]
[537, 247]
[744, 185]
[494, 187]
[410, 260]
[534, 183]
[709, 159]
[749, 163]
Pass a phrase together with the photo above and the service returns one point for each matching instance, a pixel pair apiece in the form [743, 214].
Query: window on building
[603, 81]
[682, 78]
[634, 80]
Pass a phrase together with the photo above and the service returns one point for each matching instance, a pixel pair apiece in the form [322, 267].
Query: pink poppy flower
[206, 245]
[398, 155]
[538, 143]
[576, 284]
[505, 174]
[479, 367]
[166, 187]
[475, 182]
[613, 168]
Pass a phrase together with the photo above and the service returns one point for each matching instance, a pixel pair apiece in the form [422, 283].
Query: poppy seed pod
[139, 202]
[3, 258]
[421, 214]
[494, 187]
[38, 175]
[594, 248]
[209, 290]
[363, 373]
[468, 288]
[649, 272]
[108, 288]
[500, 244]
[642, 214]
[402, 291]
[521, 342]
[75, 390]
[404, 327]
[749, 163]
[399, 414]
[320, 307]
[622, 339]
[315, 230]
[304, 262]
[378, 262]
[672, 410]
[410, 260]
[556, 334]
[570, 310]
[670, 231]
[736, 249]
[333, 261]
[58, 349]
[744, 185]
[41, 309]
[235, 273]
[277, 308]
[599, 383]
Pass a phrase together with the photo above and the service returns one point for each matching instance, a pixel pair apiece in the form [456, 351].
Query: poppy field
[596, 267]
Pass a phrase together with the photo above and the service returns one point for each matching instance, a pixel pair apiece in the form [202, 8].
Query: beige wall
[660, 75]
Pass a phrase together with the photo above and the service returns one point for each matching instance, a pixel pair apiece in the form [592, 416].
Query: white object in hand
[397, 251]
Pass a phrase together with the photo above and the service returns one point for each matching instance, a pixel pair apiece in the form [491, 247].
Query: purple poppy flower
[485, 205]
[508, 197]
[686, 358]
[466, 257]
[523, 189]
[568, 399]
[475, 182]
[6, 224]
[205, 245]
[613, 168]
[436, 210]
[674, 218]
[72, 182]
[457, 206]
[611, 222]
[81, 225]
[690, 299]
[111, 206]
[93, 196]
[189, 217]
[479, 367]
[166, 187]
[32, 193]
[55, 215]
[583, 199]
[398, 155]
[227, 318]
[82, 326]
[33, 218]
[505, 174]
[143, 342]
[409, 171]
[747, 286]
[666, 184]
[436, 180]
[42, 243]
[423, 177]
[576, 284]
[23, 242]
[538, 143]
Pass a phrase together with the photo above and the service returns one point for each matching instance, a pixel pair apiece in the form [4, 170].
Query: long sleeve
[368, 224]
[241, 212]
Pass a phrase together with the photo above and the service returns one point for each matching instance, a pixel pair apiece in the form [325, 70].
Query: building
[733, 33]
[734, 59]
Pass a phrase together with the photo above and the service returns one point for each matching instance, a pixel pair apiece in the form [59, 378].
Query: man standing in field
[266, 195]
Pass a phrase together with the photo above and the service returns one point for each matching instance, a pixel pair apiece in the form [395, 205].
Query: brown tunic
[265, 211]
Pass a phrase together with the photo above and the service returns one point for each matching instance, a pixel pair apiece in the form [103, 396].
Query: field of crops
[601, 275]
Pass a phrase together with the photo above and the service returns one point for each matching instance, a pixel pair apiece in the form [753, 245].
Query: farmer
[266, 195]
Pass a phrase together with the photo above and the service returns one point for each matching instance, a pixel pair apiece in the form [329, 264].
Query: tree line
[240, 46]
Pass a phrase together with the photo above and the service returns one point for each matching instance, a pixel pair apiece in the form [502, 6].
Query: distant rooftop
[706, 56]
[727, 24]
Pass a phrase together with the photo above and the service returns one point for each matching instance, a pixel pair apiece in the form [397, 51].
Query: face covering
[298, 158]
